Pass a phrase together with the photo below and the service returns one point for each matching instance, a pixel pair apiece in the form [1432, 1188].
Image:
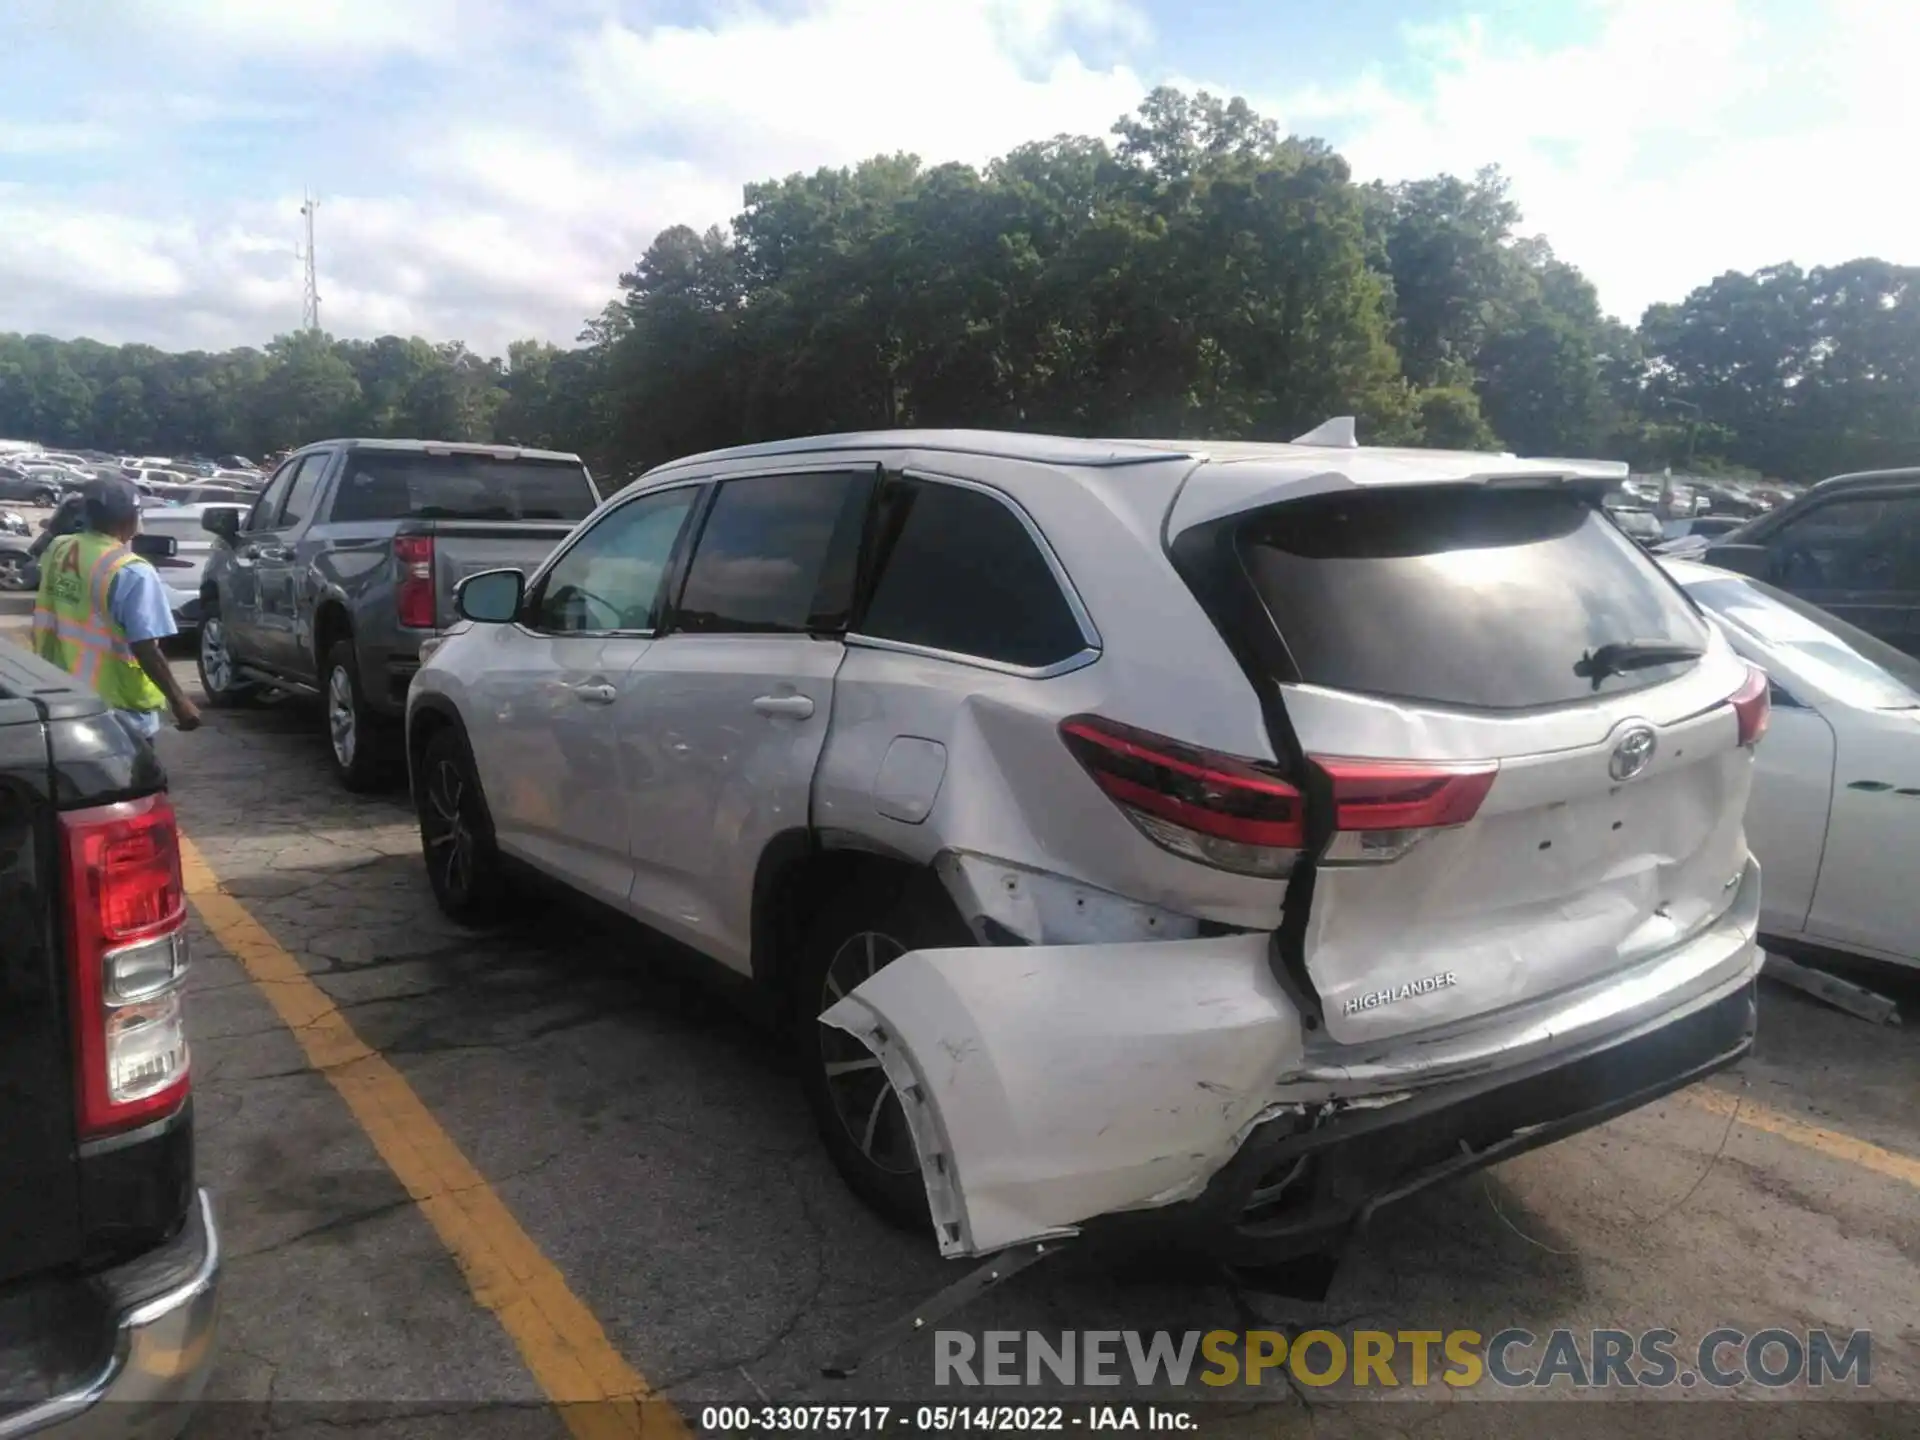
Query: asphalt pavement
[653, 1155]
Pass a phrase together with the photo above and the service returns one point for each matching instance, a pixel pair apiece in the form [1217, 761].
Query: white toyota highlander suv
[1222, 837]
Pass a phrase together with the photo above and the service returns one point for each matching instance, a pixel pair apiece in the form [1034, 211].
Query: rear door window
[298, 505]
[776, 555]
[419, 485]
[1461, 596]
[957, 571]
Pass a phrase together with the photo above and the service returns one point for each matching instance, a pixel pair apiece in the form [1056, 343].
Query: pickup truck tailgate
[40, 1222]
[466, 547]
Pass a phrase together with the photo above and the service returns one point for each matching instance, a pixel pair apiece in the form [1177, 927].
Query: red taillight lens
[1383, 808]
[413, 567]
[127, 940]
[1753, 706]
[1221, 810]
[1404, 795]
[1244, 815]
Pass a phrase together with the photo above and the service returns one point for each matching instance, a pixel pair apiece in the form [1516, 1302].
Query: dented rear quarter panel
[1003, 784]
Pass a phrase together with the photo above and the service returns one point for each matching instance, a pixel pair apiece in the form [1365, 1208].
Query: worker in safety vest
[102, 613]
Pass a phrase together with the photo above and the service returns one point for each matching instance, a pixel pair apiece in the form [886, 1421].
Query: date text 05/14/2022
[920, 1419]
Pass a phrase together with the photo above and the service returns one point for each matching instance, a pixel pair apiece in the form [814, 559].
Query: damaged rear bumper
[1168, 1087]
[1297, 1187]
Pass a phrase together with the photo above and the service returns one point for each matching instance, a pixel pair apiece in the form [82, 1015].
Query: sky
[487, 168]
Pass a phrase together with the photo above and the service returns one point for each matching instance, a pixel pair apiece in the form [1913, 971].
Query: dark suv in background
[1850, 545]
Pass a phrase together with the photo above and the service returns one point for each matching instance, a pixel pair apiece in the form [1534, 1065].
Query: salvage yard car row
[1197, 845]
[1395, 842]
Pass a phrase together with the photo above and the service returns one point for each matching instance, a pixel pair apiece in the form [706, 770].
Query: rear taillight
[1221, 810]
[1246, 816]
[127, 938]
[413, 568]
[1382, 808]
[1753, 706]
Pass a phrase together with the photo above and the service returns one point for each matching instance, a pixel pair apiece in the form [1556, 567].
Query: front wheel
[220, 682]
[860, 1116]
[15, 570]
[360, 739]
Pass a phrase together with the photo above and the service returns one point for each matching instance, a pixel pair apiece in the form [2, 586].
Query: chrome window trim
[1080, 659]
[1089, 652]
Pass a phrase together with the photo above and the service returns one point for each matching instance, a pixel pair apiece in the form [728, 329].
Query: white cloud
[515, 155]
[769, 94]
[1680, 141]
[313, 30]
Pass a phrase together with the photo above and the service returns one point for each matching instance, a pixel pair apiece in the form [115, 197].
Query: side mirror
[1753, 561]
[155, 547]
[492, 597]
[222, 520]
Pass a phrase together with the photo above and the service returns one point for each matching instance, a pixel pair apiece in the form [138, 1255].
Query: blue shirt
[139, 603]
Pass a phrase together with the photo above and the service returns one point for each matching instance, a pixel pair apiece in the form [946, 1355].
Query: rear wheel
[861, 1119]
[15, 568]
[456, 832]
[220, 681]
[361, 740]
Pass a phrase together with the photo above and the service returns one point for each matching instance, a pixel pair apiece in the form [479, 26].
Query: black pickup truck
[109, 1263]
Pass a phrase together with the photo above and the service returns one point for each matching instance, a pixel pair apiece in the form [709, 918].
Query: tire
[46, 498]
[456, 832]
[360, 741]
[15, 569]
[214, 660]
[860, 1117]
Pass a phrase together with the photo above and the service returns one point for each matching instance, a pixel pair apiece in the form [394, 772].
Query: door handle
[596, 694]
[789, 707]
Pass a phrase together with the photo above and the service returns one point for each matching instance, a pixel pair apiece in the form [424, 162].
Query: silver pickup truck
[330, 583]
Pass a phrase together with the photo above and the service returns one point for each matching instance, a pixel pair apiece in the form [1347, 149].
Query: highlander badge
[1374, 999]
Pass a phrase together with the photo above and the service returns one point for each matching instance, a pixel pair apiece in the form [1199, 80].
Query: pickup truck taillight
[127, 921]
[413, 568]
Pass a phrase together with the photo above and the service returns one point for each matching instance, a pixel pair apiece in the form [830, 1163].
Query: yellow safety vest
[74, 628]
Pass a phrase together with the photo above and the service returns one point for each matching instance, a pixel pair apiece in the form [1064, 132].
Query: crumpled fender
[1046, 1085]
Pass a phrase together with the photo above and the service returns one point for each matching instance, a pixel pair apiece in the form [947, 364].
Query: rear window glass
[1461, 596]
[395, 485]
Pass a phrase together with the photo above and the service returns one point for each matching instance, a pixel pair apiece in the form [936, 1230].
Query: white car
[182, 571]
[1835, 814]
[1240, 833]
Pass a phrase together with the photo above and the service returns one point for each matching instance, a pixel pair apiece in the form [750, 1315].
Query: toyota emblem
[1632, 752]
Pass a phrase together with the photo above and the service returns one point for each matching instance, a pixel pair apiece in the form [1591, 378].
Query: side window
[303, 492]
[264, 509]
[958, 571]
[610, 578]
[776, 556]
[1860, 545]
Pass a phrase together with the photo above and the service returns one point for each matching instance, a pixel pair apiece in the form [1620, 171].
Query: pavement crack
[327, 1227]
[803, 1308]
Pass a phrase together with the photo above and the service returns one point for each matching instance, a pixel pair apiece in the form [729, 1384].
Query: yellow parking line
[598, 1393]
[1835, 1144]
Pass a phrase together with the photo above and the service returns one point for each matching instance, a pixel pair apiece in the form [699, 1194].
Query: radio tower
[310, 298]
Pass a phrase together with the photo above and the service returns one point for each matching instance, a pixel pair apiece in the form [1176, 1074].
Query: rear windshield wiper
[1617, 657]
